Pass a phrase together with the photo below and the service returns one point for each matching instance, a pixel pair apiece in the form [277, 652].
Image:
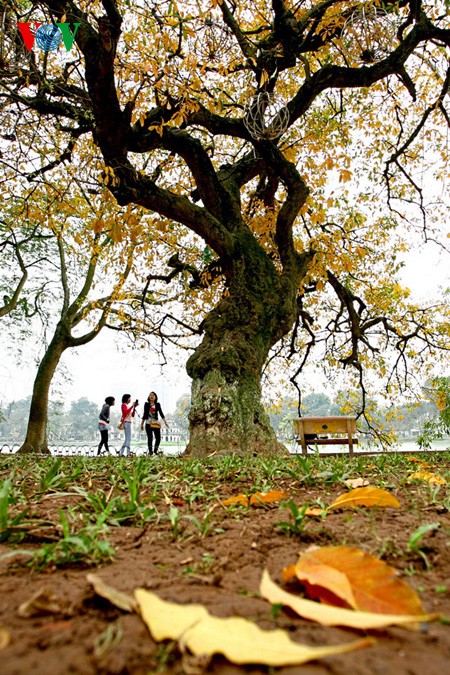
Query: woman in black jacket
[152, 410]
[103, 423]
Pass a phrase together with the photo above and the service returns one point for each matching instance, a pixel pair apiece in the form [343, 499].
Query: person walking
[128, 412]
[103, 423]
[152, 410]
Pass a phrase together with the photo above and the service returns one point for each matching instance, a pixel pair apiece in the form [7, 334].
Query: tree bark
[227, 414]
[36, 437]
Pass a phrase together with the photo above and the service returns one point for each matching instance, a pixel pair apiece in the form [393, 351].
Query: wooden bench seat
[325, 431]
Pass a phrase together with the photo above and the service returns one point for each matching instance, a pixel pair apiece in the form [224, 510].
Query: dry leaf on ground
[428, 477]
[115, 597]
[240, 640]
[334, 574]
[327, 615]
[314, 512]
[365, 496]
[356, 482]
[44, 602]
[5, 638]
[256, 499]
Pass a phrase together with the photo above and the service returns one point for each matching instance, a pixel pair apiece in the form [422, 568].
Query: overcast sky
[101, 369]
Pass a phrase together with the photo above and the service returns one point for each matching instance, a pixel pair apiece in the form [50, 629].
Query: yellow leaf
[267, 497]
[314, 512]
[240, 640]
[264, 78]
[256, 499]
[98, 225]
[428, 477]
[344, 573]
[5, 638]
[336, 616]
[167, 620]
[365, 496]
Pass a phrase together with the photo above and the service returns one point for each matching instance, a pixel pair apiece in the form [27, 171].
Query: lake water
[85, 449]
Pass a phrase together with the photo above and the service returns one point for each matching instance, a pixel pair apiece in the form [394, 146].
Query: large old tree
[281, 147]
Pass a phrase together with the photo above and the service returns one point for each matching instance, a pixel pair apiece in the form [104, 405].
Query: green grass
[68, 507]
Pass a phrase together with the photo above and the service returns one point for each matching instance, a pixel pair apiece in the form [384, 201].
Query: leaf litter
[220, 567]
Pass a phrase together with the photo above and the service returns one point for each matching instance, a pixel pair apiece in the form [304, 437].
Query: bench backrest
[321, 425]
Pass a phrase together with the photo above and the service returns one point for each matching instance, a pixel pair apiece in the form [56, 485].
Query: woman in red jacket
[128, 412]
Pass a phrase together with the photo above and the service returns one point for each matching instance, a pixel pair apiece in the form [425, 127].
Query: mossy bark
[227, 414]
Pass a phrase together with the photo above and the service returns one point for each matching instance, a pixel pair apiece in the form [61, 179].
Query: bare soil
[88, 635]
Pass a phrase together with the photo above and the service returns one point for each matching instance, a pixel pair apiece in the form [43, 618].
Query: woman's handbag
[120, 426]
[154, 424]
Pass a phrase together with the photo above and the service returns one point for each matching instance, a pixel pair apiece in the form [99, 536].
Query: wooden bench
[315, 430]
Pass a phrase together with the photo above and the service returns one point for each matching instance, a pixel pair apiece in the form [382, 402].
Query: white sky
[101, 369]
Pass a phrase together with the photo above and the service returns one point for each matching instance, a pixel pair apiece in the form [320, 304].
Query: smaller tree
[90, 279]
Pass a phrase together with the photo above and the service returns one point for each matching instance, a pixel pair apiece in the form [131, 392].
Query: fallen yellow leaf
[5, 638]
[167, 620]
[358, 578]
[314, 512]
[240, 640]
[256, 499]
[327, 615]
[365, 496]
[428, 477]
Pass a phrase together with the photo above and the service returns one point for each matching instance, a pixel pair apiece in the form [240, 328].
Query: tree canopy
[282, 151]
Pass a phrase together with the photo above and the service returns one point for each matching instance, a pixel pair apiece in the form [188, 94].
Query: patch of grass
[9, 521]
[298, 522]
[415, 543]
[86, 546]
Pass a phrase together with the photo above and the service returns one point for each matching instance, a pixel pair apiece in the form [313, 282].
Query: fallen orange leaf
[365, 496]
[288, 573]
[267, 497]
[243, 500]
[342, 574]
[336, 616]
[428, 477]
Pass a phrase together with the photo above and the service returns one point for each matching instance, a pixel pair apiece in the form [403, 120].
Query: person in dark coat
[152, 412]
[103, 423]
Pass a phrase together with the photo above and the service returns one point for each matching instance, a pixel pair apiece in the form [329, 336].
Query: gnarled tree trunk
[227, 414]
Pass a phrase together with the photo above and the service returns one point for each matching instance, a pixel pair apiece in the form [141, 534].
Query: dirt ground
[222, 569]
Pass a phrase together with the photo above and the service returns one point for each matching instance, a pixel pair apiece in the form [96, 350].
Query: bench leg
[350, 438]
[303, 443]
